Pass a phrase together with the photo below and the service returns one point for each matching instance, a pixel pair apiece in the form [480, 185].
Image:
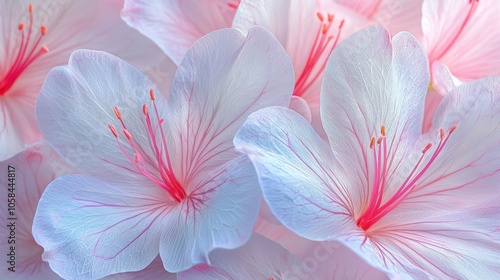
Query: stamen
[158, 169]
[28, 50]
[324, 42]
[113, 130]
[117, 113]
[376, 210]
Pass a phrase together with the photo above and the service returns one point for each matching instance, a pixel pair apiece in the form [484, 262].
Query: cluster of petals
[251, 139]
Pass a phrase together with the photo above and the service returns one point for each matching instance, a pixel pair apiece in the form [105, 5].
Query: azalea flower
[463, 35]
[161, 176]
[176, 24]
[33, 169]
[38, 36]
[424, 205]
[309, 31]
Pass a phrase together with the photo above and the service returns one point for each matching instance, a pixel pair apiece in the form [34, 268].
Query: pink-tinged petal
[295, 168]
[216, 87]
[259, 258]
[432, 101]
[220, 213]
[155, 270]
[372, 82]
[68, 25]
[397, 15]
[300, 106]
[326, 259]
[464, 35]
[90, 229]
[308, 30]
[174, 25]
[442, 79]
[76, 106]
[26, 176]
[467, 168]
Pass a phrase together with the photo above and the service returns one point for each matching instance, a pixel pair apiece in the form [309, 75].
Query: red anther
[113, 130]
[452, 128]
[382, 130]
[325, 28]
[127, 134]
[380, 140]
[45, 49]
[233, 5]
[161, 121]
[441, 133]
[145, 109]
[30, 8]
[330, 17]
[43, 29]
[136, 158]
[341, 23]
[372, 142]
[152, 94]
[20, 26]
[426, 148]
[117, 113]
[320, 16]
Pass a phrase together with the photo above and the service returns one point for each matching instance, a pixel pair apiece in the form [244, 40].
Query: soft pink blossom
[38, 35]
[162, 175]
[465, 36]
[423, 206]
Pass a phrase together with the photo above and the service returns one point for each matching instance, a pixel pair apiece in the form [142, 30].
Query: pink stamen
[28, 51]
[158, 169]
[323, 43]
[376, 210]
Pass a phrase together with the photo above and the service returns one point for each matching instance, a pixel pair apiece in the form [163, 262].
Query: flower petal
[32, 170]
[467, 168]
[300, 106]
[155, 270]
[175, 25]
[259, 258]
[220, 213]
[75, 107]
[295, 167]
[464, 35]
[372, 82]
[401, 15]
[90, 229]
[216, 87]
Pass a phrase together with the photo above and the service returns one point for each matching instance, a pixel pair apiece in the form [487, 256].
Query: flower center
[377, 208]
[28, 50]
[324, 42]
[472, 9]
[157, 169]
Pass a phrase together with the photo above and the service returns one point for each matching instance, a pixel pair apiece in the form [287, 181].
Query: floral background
[250, 139]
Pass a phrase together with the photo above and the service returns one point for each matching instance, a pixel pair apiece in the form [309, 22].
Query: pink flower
[163, 176]
[425, 205]
[309, 31]
[465, 36]
[176, 24]
[32, 170]
[36, 37]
